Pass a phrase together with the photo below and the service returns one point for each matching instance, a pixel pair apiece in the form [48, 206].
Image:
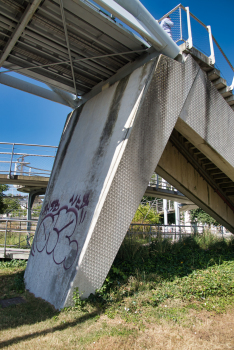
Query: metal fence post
[212, 54]
[5, 240]
[19, 236]
[190, 38]
[11, 160]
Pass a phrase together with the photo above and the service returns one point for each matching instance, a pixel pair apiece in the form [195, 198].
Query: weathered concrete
[175, 169]
[107, 154]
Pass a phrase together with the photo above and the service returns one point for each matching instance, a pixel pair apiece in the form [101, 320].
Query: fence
[16, 233]
[190, 30]
[26, 159]
[159, 182]
[148, 232]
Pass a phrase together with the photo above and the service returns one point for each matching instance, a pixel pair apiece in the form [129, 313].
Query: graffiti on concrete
[56, 232]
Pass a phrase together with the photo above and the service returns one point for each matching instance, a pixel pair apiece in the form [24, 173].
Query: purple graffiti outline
[54, 206]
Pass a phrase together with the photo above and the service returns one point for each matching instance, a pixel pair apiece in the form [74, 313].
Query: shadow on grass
[51, 330]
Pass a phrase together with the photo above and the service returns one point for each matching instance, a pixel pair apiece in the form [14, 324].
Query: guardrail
[190, 30]
[16, 233]
[174, 232]
[158, 182]
[26, 159]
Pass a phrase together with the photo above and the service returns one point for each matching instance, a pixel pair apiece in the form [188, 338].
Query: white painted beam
[32, 89]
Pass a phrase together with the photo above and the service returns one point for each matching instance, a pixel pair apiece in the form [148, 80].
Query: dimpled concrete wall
[107, 154]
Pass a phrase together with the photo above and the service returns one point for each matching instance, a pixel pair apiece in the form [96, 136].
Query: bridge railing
[160, 183]
[26, 159]
[19, 234]
[16, 233]
[190, 30]
[148, 232]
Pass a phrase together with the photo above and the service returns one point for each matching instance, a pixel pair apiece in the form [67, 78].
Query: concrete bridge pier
[31, 198]
[108, 151]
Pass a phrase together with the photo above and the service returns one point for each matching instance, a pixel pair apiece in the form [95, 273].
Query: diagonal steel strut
[68, 46]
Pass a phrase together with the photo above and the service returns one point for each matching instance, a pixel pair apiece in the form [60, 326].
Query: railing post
[9, 176]
[5, 240]
[212, 54]
[19, 235]
[232, 85]
[181, 33]
[190, 38]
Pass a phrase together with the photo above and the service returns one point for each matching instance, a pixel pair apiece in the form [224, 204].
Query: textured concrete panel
[107, 153]
[207, 121]
[89, 152]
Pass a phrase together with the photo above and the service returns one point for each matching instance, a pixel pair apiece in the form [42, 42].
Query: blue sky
[29, 119]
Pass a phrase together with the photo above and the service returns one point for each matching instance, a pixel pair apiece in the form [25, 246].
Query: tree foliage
[146, 215]
[7, 203]
[3, 205]
[200, 215]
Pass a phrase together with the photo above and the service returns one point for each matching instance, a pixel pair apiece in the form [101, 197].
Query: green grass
[148, 283]
[197, 270]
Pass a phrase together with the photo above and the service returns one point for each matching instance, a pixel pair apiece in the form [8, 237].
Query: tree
[200, 215]
[37, 210]
[3, 205]
[7, 203]
[146, 215]
[12, 205]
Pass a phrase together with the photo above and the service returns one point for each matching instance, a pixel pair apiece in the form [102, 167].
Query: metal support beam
[165, 211]
[31, 197]
[33, 89]
[122, 72]
[137, 17]
[65, 96]
[177, 213]
[68, 45]
[29, 12]
[74, 61]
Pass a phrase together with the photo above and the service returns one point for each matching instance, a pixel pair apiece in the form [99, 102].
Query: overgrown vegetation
[201, 216]
[149, 283]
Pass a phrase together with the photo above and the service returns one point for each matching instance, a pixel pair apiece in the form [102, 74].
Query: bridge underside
[165, 116]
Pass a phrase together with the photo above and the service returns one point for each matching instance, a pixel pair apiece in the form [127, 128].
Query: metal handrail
[26, 144]
[30, 232]
[41, 164]
[212, 38]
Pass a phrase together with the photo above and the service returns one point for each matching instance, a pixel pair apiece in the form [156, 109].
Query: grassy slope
[161, 284]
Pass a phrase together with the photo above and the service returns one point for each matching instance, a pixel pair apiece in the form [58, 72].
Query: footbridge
[28, 168]
[143, 102]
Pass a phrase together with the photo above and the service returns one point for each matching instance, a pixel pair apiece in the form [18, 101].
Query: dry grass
[207, 332]
[90, 329]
